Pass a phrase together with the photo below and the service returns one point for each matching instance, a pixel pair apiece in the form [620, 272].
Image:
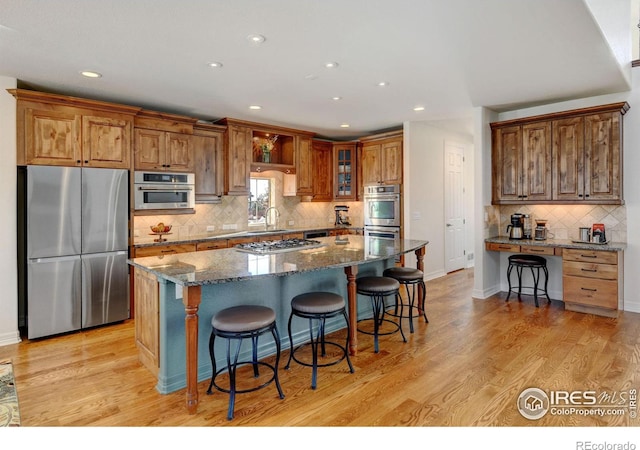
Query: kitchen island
[208, 281]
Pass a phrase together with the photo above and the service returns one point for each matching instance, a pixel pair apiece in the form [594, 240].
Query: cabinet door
[536, 161]
[391, 162]
[147, 314]
[322, 171]
[149, 149]
[106, 142]
[371, 164]
[602, 173]
[304, 161]
[207, 152]
[53, 138]
[179, 152]
[238, 160]
[345, 171]
[507, 164]
[568, 146]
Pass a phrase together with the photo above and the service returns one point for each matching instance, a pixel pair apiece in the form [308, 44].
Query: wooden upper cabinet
[522, 163]
[238, 152]
[106, 142]
[163, 151]
[588, 155]
[163, 142]
[569, 157]
[382, 159]
[322, 179]
[344, 175]
[568, 151]
[208, 148]
[603, 157]
[67, 131]
[52, 137]
[304, 165]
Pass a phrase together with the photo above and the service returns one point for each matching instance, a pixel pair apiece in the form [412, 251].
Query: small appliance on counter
[342, 215]
[541, 230]
[526, 226]
[516, 228]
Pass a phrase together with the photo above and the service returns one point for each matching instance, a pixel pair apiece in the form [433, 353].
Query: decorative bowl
[161, 228]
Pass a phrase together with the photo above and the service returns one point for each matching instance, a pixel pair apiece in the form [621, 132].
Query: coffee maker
[516, 228]
[342, 215]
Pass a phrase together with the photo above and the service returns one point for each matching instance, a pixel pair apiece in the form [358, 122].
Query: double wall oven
[381, 218]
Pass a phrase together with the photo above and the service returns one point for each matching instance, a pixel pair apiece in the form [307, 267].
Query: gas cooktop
[281, 246]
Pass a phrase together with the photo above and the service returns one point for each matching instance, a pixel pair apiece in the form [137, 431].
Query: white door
[454, 207]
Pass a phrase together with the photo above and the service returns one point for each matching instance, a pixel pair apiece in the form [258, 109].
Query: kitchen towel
[9, 411]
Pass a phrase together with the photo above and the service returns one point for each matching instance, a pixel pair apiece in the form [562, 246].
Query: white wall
[424, 191]
[8, 252]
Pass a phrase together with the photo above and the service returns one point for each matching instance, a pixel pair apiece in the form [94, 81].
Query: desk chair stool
[535, 263]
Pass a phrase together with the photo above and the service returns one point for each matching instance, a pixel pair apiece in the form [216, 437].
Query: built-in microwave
[382, 205]
[164, 190]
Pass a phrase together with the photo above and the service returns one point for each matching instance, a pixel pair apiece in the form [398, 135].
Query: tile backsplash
[232, 211]
[563, 221]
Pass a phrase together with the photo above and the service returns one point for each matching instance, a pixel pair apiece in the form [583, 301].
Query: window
[259, 199]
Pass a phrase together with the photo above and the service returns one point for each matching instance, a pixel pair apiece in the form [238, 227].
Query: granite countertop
[562, 243]
[148, 241]
[227, 265]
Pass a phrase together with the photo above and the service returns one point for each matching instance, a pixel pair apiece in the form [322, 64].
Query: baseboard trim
[10, 338]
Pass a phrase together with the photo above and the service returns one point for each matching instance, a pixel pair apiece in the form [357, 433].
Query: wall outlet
[291, 223]
[229, 226]
[470, 257]
[416, 215]
[211, 228]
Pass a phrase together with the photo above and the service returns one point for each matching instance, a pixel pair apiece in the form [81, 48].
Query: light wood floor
[466, 367]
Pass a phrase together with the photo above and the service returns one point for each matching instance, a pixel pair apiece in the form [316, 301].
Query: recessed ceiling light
[344, 125]
[419, 108]
[256, 38]
[90, 74]
[336, 98]
[215, 64]
[255, 107]
[331, 65]
[383, 84]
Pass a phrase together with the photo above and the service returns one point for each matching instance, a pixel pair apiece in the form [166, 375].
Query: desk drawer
[586, 291]
[591, 256]
[590, 270]
[536, 250]
[495, 247]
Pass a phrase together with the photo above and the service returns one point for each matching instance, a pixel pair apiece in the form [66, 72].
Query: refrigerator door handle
[53, 258]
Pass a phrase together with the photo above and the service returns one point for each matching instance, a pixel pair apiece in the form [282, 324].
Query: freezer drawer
[105, 288]
[54, 302]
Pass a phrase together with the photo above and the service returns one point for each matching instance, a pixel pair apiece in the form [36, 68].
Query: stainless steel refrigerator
[76, 222]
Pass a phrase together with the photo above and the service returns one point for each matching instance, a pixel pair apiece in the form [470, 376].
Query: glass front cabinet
[344, 157]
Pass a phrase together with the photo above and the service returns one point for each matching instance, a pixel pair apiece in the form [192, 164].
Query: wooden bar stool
[408, 277]
[318, 306]
[535, 263]
[236, 324]
[379, 288]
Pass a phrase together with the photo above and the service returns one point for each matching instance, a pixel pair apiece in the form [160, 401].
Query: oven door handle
[167, 189]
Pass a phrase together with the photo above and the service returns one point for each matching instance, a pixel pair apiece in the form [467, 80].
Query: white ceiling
[446, 55]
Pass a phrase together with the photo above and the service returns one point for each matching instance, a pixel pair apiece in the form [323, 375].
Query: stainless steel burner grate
[279, 246]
